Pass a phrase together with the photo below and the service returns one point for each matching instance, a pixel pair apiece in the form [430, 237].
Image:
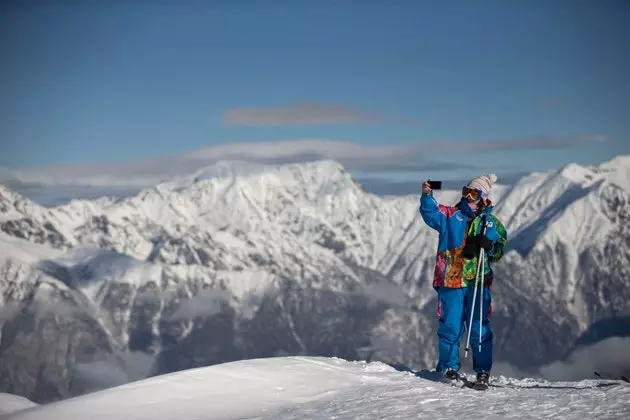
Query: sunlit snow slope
[288, 388]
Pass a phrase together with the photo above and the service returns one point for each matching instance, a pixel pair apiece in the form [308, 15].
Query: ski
[480, 386]
[621, 377]
[465, 383]
[437, 376]
[477, 386]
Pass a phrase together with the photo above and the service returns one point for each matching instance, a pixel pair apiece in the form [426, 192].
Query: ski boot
[481, 384]
[450, 376]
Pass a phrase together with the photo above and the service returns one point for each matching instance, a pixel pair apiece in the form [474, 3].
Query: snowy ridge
[247, 262]
[617, 170]
[287, 388]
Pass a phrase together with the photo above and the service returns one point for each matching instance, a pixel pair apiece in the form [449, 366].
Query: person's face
[471, 195]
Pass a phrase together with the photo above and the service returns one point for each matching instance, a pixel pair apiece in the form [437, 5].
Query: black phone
[435, 185]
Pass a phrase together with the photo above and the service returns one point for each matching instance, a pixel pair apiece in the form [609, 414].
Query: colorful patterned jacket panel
[452, 223]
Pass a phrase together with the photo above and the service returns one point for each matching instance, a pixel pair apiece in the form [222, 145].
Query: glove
[482, 241]
[470, 250]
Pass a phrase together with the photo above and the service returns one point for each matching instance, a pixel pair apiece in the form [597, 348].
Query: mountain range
[241, 261]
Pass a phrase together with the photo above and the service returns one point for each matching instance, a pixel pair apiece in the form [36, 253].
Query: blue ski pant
[454, 308]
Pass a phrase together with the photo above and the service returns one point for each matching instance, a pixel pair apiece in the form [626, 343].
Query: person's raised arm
[430, 208]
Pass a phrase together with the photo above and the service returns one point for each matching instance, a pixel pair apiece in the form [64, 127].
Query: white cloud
[113, 370]
[205, 304]
[609, 357]
[8, 311]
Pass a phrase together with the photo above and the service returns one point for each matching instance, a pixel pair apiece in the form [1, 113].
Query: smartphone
[435, 185]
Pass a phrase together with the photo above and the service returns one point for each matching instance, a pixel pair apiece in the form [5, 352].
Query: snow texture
[10, 403]
[288, 388]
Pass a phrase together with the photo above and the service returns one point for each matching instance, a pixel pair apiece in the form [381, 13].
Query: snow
[577, 174]
[617, 170]
[221, 169]
[10, 403]
[105, 266]
[25, 251]
[287, 388]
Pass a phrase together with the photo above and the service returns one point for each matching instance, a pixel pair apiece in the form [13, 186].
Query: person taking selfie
[466, 230]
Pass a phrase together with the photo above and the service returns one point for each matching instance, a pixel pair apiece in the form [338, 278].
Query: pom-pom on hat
[483, 183]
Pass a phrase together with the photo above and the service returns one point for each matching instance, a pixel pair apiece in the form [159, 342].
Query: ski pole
[478, 279]
[481, 256]
[472, 310]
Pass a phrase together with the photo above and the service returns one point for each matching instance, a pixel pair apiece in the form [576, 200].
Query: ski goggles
[471, 193]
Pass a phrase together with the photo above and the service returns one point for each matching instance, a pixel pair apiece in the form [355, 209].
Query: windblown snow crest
[238, 262]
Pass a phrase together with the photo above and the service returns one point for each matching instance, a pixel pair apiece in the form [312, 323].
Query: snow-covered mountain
[287, 388]
[238, 261]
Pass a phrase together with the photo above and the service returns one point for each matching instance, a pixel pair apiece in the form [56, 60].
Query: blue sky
[97, 81]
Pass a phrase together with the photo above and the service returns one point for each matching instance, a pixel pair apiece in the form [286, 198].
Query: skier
[459, 243]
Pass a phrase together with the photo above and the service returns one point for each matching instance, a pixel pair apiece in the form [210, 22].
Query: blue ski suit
[455, 276]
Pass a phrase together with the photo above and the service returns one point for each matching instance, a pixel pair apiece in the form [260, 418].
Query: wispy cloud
[408, 156]
[8, 311]
[127, 177]
[387, 186]
[203, 305]
[526, 143]
[112, 370]
[304, 113]
[609, 356]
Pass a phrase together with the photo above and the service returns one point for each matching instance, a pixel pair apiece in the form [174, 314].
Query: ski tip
[622, 377]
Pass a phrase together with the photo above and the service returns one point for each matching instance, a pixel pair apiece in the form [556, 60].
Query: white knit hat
[483, 183]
